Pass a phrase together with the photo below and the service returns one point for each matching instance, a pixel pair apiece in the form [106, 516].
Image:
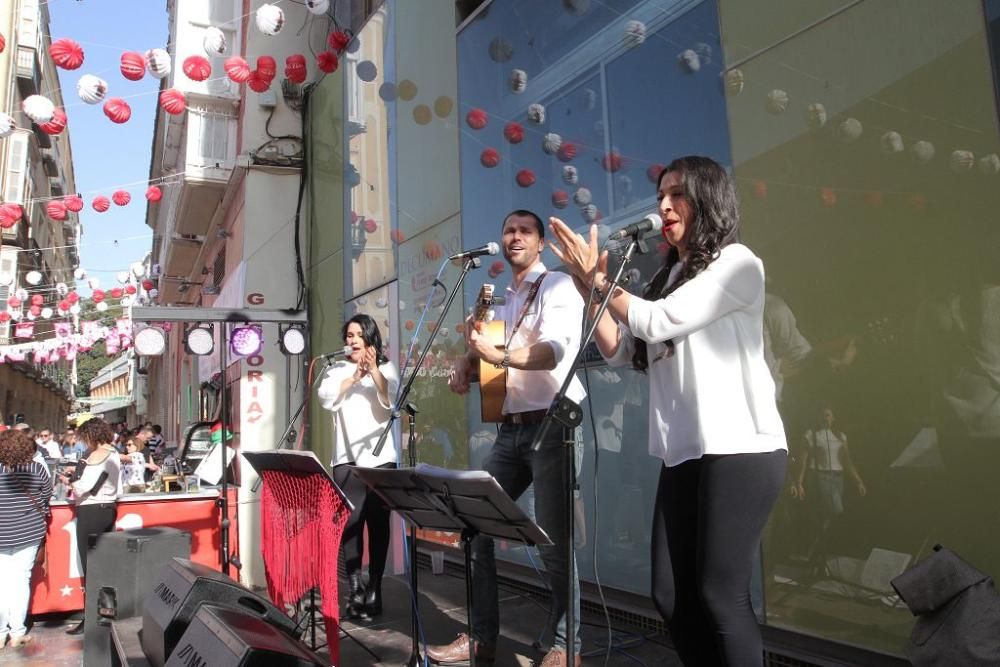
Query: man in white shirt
[543, 314]
[48, 446]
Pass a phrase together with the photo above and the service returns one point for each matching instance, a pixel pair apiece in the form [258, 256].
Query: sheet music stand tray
[302, 508]
[467, 502]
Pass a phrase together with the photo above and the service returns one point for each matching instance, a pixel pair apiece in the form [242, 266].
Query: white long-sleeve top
[107, 492]
[359, 414]
[715, 394]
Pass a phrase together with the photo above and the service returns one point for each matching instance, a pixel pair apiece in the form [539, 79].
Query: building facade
[865, 150]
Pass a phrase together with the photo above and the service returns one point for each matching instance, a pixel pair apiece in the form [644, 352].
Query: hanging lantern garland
[66, 53]
[133, 65]
[117, 110]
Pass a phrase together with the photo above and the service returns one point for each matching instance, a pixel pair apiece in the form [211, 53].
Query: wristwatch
[506, 360]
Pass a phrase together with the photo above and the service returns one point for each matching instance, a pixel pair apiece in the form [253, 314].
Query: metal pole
[415, 660]
[223, 501]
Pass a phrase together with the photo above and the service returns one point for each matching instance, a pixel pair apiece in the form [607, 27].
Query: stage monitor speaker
[227, 637]
[121, 569]
[180, 588]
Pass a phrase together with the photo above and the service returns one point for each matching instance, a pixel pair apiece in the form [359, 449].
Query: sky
[106, 156]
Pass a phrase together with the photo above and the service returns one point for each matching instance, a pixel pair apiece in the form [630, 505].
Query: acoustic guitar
[492, 380]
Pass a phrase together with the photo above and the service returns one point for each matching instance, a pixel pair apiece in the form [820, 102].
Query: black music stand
[467, 502]
[299, 462]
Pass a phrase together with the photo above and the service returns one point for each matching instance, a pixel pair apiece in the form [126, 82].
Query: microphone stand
[570, 415]
[415, 659]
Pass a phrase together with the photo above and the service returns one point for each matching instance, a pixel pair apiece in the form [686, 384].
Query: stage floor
[442, 606]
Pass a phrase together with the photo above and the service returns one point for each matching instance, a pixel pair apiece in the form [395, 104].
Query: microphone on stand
[651, 223]
[491, 248]
[342, 352]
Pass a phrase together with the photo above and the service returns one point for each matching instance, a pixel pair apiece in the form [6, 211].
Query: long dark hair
[369, 333]
[716, 223]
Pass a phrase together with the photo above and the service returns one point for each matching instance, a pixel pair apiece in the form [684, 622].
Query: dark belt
[528, 417]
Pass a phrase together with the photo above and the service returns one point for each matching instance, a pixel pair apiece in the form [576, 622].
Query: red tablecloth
[60, 588]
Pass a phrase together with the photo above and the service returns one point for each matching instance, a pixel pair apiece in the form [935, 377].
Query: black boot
[373, 597]
[76, 629]
[356, 597]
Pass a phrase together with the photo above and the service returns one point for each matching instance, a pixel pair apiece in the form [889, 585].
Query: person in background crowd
[97, 484]
[48, 444]
[71, 448]
[155, 440]
[135, 468]
[25, 488]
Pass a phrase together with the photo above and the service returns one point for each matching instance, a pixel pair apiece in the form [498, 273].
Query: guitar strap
[532, 293]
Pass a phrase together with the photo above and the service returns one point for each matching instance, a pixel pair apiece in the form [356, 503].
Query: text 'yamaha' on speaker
[228, 637]
[121, 569]
[180, 588]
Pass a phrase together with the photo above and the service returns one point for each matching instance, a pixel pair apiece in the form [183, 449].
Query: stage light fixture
[246, 340]
[150, 342]
[199, 340]
[292, 339]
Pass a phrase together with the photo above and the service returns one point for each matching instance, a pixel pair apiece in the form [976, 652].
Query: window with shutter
[17, 162]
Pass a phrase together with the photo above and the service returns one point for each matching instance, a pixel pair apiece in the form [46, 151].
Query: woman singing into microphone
[359, 391]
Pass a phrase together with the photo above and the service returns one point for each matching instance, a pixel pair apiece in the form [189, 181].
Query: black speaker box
[121, 569]
[226, 637]
[180, 589]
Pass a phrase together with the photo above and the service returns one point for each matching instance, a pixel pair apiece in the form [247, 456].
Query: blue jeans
[15, 590]
[515, 466]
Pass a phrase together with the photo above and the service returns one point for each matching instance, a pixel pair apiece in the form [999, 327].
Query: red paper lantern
[567, 151]
[13, 210]
[525, 178]
[64, 305]
[4, 315]
[133, 66]
[828, 197]
[498, 267]
[117, 110]
[97, 295]
[612, 162]
[116, 292]
[370, 226]
[56, 125]
[327, 62]
[513, 132]
[653, 172]
[267, 67]
[173, 101]
[66, 53]
[37, 299]
[397, 236]
[72, 297]
[760, 189]
[3, 43]
[477, 118]
[409, 325]
[35, 310]
[74, 203]
[121, 198]
[101, 203]
[6, 222]
[560, 198]
[147, 284]
[237, 69]
[433, 250]
[56, 209]
[130, 289]
[338, 40]
[295, 68]
[197, 68]
[257, 82]
[489, 158]
[154, 194]
[13, 302]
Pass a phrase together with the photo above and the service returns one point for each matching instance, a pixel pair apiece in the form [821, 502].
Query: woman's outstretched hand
[580, 257]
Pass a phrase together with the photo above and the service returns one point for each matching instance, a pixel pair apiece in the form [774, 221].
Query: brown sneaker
[557, 658]
[457, 652]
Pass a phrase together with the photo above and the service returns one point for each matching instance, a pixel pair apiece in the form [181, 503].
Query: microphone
[342, 352]
[491, 248]
[651, 223]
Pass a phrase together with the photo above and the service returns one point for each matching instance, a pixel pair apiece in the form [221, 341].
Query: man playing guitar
[543, 313]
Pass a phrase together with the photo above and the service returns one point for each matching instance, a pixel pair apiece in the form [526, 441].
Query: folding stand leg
[467, 536]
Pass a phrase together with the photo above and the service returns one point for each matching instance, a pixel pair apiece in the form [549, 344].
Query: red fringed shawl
[302, 521]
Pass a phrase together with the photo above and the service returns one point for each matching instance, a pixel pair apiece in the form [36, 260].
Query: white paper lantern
[317, 6]
[923, 151]
[582, 197]
[91, 89]
[155, 271]
[380, 302]
[6, 278]
[214, 41]
[850, 129]
[15, 313]
[33, 277]
[624, 183]
[62, 289]
[21, 294]
[570, 175]
[518, 81]
[689, 61]
[816, 115]
[635, 33]
[962, 161]
[46, 312]
[94, 283]
[30, 316]
[734, 82]
[989, 164]
[536, 113]
[138, 269]
[126, 301]
[38, 108]
[270, 19]
[102, 306]
[892, 142]
[7, 125]
[79, 273]
[122, 277]
[551, 143]
[75, 309]
[777, 101]
[158, 63]
[704, 52]
[589, 212]
[402, 305]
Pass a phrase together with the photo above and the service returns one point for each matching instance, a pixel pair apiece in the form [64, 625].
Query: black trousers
[91, 521]
[369, 511]
[707, 523]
